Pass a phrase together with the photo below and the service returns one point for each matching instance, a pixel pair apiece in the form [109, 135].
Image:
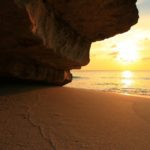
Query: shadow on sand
[10, 87]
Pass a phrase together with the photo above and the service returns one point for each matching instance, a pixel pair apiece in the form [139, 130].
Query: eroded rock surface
[42, 40]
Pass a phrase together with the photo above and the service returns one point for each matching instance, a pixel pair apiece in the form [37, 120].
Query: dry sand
[72, 119]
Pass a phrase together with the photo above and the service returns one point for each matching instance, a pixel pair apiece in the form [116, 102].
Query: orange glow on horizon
[126, 51]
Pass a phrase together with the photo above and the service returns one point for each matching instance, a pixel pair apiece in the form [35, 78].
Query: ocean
[125, 82]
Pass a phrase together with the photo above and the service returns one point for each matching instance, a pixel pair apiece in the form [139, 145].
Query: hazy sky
[128, 51]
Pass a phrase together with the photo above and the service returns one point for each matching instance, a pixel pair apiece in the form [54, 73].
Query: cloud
[145, 43]
[146, 39]
[146, 58]
[93, 55]
[114, 46]
[113, 54]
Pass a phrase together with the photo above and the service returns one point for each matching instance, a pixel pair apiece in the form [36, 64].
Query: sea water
[126, 82]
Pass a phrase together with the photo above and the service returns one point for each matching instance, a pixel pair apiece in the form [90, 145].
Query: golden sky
[127, 51]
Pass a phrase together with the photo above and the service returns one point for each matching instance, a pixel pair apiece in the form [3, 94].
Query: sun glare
[127, 52]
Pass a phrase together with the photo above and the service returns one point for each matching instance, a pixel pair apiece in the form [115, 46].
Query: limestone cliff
[42, 40]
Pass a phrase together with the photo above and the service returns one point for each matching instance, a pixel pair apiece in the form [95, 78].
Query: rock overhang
[60, 37]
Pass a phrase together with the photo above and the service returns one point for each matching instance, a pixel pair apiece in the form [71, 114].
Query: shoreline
[126, 94]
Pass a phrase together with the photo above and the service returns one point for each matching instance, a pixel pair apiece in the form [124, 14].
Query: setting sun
[127, 52]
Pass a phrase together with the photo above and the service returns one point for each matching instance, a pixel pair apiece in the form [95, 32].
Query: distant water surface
[126, 82]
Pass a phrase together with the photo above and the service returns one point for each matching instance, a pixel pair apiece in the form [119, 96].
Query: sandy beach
[44, 118]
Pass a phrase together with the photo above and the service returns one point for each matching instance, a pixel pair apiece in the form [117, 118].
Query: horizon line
[107, 70]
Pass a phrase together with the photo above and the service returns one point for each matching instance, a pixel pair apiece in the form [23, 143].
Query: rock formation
[42, 40]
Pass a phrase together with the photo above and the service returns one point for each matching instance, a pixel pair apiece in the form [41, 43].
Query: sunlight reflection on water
[127, 82]
[127, 79]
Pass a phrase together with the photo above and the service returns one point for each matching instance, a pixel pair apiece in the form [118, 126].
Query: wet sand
[72, 119]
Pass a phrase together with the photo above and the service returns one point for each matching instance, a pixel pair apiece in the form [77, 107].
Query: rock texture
[42, 40]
